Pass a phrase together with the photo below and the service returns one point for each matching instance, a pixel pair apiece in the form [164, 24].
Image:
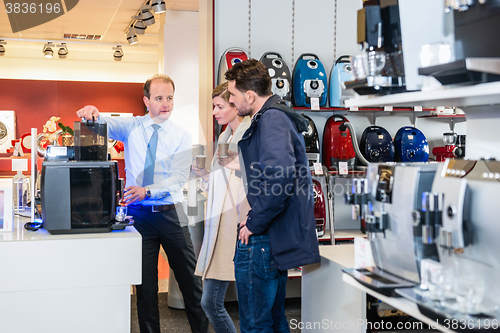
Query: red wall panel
[35, 101]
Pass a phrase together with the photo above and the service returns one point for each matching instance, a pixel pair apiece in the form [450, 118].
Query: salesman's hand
[88, 112]
[244, 234]
[134, 194]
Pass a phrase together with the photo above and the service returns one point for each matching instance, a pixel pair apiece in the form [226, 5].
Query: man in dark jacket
[280, 230]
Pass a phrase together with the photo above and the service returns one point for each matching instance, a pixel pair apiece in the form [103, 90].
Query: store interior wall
[324, 27]
[35, 101]
[180, 61]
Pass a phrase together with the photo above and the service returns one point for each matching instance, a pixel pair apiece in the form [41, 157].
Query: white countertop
[340, 254]
[21, 234]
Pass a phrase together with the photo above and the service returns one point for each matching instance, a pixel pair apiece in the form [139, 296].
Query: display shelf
[469, 95]
[451, 119]
[363, 109]
[341, 235]
[400, 303]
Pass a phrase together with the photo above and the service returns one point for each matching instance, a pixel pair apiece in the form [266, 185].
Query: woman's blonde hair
[221, 90]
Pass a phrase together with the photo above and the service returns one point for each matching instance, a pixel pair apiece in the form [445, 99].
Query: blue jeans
[261, 290]
[212, 302]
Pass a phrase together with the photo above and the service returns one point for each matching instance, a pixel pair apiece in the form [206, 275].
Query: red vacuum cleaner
[337, 143]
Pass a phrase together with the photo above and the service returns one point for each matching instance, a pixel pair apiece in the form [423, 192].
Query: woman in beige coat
[226, 206]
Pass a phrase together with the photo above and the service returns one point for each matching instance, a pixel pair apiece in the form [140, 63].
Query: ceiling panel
[109, 18]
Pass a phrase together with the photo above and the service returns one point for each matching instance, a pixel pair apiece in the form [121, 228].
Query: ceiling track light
[138, 25]
[158, 6]
[2, 47]
[63, 50]
[144, 19]
[147, 17]
[118, 54]
[47, 50]
[131, 36]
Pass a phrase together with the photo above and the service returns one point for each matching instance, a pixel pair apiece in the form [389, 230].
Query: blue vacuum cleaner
[376, 145]
[341, 72]
[309, 81]
[411, 145]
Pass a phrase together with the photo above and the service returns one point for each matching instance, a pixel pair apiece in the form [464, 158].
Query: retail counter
[67, 283]
[328, 303]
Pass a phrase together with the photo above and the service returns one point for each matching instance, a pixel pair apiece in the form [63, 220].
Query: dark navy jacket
[279, 187]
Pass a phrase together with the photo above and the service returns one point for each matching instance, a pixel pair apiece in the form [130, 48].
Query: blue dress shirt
[173, 156]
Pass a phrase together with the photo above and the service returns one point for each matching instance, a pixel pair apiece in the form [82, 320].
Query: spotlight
[131, 36]
[47, 50]
[118, 55]
[2, 47]
[63, 50]
[158, 6]
[139, 27]
[147, 17]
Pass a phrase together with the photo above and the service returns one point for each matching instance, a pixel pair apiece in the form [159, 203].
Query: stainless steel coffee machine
[464, 284]
[389, 195]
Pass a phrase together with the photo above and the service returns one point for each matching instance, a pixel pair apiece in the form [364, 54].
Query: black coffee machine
[81, 195]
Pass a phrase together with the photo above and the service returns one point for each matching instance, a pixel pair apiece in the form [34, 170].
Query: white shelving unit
[470, 95]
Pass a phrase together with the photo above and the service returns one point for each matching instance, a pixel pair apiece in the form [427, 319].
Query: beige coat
[226, 206]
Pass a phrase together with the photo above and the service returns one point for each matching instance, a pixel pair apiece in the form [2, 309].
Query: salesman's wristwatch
[148, 192]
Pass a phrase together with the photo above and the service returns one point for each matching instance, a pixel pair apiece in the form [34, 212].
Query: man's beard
[245, 110]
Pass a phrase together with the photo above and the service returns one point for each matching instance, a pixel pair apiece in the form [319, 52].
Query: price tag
[388, 108]
[318, 169]
[19, 164]
[353, 108]
[343, 168]
[363, 256]
[315, 103]
[417, 108]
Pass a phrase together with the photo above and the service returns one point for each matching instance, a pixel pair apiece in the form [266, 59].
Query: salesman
[157, 162]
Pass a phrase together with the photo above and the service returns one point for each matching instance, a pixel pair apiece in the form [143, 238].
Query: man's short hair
[160, 77]
[250, 75]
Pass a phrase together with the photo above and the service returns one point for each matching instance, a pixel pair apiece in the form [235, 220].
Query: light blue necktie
[149, 164]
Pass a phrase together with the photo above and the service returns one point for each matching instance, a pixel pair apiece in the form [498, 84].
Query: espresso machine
[386, 200]
[463, 283]
[80, 191]
[391, 39]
